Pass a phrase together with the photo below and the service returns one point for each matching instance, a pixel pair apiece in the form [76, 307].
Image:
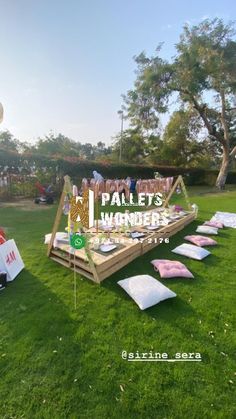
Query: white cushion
[207, 230]
[227, 218]
[47, 238]
[145, 290]
[191, 251]
[60, 237]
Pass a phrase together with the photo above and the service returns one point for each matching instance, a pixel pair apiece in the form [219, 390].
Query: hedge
[78, 168]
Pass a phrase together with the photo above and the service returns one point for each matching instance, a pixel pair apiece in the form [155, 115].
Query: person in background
[128, 181]
[132, 185]
[97, 176]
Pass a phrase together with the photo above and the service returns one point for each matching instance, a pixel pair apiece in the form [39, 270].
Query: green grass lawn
[56, 362]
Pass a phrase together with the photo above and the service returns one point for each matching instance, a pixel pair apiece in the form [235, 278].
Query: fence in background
[22, 186]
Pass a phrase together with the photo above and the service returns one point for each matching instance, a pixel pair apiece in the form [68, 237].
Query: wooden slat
[61, 261]
[104, 266]
[77, 269]
[61, 254]
[70, 257]
[81, 264]
[83, 272]
[116, 267]
[136, 251]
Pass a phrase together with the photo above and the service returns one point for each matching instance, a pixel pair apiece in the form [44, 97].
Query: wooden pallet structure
[95, 265]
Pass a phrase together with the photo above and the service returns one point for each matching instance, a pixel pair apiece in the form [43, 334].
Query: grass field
[57, 363]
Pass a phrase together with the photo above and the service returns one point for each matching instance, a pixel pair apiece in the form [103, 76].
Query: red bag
[2, 239]
[2, 233]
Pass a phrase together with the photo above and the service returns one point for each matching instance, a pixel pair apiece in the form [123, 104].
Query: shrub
[47, 169]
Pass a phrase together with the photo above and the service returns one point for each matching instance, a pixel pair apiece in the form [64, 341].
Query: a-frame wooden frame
[81, 261]
[67, 188]
[179, 182]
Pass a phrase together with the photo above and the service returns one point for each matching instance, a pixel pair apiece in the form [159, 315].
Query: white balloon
[1, 112]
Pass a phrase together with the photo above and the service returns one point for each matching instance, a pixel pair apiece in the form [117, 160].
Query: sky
[65, 63]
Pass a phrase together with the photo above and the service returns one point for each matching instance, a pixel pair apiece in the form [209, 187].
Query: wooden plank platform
[105, 265]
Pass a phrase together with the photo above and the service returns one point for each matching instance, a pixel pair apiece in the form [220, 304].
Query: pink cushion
[178, 208]
[201, 240]
[216, 224]
[156, 263]
[171, 269]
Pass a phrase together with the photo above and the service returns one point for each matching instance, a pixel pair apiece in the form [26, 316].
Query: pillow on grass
[191, 251]
[201, 240]
[207, 230]
[157, 262]
[145, 290]
[216, 224]
[171, 269]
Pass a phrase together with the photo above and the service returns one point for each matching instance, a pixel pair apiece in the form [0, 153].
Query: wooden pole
[179, 181]
[171, 191]
[66, 189]
[75, 291]
[185, 192]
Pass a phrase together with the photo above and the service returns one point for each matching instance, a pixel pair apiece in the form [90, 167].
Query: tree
[154, 149]
[202, 75]
[52, 145]
[133, 145]
[57, 145]
[8, 142]
[181, 145]
[101, 152]
[87, 151]
[177, 140]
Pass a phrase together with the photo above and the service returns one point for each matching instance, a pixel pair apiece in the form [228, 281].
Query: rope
[75, 291]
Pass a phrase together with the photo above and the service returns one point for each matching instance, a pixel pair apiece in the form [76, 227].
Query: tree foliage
[133, 146]
[182, 145]
[202, 75]
[55, 145]
[8, 142]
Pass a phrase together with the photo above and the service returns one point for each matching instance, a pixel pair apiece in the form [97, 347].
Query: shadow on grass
[42, 352]
[35, 319]
[211, 260]
[167, 310]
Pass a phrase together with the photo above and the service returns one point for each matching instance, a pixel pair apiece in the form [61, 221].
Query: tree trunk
[222, 176]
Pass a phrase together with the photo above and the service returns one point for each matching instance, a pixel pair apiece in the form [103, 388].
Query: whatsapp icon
[77, 241]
